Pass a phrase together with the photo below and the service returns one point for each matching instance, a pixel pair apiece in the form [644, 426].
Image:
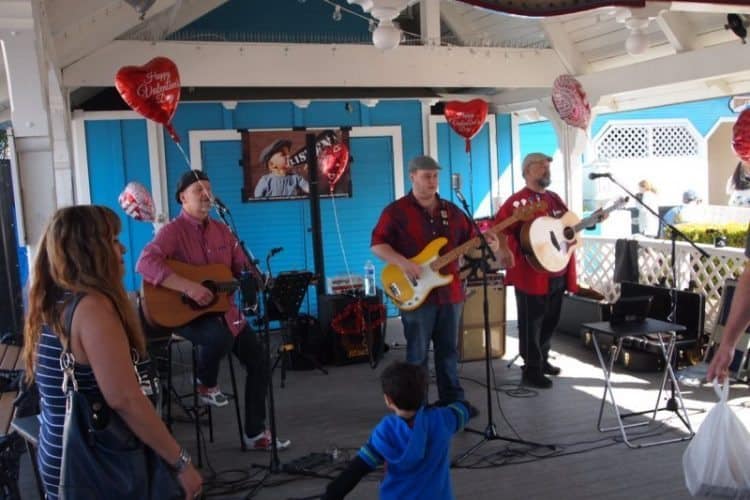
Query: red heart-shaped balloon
[153, 90]
[741, 136]
[466, 118]
[332, 162]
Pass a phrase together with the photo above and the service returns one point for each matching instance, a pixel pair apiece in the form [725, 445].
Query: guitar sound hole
[569, 233]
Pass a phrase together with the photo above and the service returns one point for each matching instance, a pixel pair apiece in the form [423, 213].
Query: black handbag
[101, 456]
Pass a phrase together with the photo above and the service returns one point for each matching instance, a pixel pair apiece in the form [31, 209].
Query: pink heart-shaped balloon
[466, 118]
[332, 162]
[136, 201]
[570, 102]
[153, 90]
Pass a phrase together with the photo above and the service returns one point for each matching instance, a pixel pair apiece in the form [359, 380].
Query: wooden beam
[225, 64]
[571, 58]
[676, 27]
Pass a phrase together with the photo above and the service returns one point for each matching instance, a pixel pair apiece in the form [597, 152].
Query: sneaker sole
[213, 403]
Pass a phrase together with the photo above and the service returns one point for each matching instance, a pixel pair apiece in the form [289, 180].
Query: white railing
[595, 262]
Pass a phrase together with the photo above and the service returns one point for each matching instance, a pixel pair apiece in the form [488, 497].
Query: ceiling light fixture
[637, 42]
[637, 21]
[386, 35]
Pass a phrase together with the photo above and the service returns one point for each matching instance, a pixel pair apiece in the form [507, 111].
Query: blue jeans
[437, 323]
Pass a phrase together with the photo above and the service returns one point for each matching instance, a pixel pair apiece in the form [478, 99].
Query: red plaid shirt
[522, 275]
[408, 227]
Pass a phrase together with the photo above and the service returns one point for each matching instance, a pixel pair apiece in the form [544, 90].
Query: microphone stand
[674, 233]
[275, 466]
[490, 431]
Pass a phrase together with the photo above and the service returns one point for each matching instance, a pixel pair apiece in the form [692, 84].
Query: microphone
[276, 250]
[456, 186]
[456, 182]
[595, 175]
[220, 205]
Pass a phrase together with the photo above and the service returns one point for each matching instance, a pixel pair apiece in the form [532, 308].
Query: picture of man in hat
[280, 181]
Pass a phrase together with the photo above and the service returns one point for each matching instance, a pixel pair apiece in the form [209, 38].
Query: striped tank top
[49, 378]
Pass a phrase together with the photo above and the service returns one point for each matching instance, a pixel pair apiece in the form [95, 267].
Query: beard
[544, 182]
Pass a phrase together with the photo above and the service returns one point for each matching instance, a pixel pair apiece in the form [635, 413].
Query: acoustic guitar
[171, 309]
[548, 242]
[409, 294]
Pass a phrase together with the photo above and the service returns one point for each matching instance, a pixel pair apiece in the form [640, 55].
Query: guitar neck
[594, 218]
[452, 255]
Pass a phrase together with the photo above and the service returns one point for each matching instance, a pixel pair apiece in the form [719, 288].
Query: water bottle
[369, 279]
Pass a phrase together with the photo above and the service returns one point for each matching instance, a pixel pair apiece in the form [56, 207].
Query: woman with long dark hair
[79, 258]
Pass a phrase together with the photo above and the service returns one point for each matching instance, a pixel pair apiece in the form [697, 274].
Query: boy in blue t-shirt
[413, 443]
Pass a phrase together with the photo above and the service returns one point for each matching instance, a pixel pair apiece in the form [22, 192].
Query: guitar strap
[444, 215]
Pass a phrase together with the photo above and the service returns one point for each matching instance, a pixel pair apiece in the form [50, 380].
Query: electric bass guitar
[409, 294]
[171, 309]
[548, 242]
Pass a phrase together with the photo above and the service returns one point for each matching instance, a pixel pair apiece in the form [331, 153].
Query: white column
[572, 142]
[27, 83]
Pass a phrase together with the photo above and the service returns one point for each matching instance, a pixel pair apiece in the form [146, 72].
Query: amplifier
[471, 342]
[350, 327]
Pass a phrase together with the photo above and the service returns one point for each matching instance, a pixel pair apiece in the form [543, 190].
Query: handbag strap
[722, 391]
[67, 359]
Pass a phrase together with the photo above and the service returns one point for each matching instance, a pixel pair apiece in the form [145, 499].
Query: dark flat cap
[187, 179]
[423, 163]
[272, 149]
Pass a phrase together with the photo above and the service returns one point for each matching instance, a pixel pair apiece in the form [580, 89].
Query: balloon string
[184, 155]
[341, 240]
[471, 184]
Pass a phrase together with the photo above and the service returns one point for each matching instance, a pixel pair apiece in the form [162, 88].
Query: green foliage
[734, 232]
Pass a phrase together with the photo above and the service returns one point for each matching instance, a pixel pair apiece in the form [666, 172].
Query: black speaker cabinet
[577, 310]
[352, 328]
[471, 342]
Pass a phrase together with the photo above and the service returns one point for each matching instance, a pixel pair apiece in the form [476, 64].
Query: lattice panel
[599, 259]
[596, 264]
[623, 142]
[673, 140]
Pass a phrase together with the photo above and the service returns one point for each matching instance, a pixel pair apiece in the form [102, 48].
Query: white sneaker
[263, 442]
[212, 396]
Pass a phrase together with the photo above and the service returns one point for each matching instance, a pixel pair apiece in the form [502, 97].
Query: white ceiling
[510, 60]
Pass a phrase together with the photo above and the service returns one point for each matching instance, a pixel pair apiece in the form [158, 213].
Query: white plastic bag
[717, 461]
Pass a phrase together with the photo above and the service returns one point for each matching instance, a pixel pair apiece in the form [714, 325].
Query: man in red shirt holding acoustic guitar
[539, 292]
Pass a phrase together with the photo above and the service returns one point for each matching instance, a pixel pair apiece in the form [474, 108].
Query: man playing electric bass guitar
[405, 227]
[539, 293]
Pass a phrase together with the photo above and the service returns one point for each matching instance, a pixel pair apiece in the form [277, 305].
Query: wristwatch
[182, 461]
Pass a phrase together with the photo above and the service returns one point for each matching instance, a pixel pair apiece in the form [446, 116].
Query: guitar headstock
[525, 212]
[621, 201]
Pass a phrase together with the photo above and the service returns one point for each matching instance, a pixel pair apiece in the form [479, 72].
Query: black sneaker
[536, 379]
[550, 369]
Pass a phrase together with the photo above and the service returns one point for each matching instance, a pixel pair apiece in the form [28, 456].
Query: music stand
[286, 293]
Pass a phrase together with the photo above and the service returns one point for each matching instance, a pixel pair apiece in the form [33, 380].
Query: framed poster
[275, 164]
